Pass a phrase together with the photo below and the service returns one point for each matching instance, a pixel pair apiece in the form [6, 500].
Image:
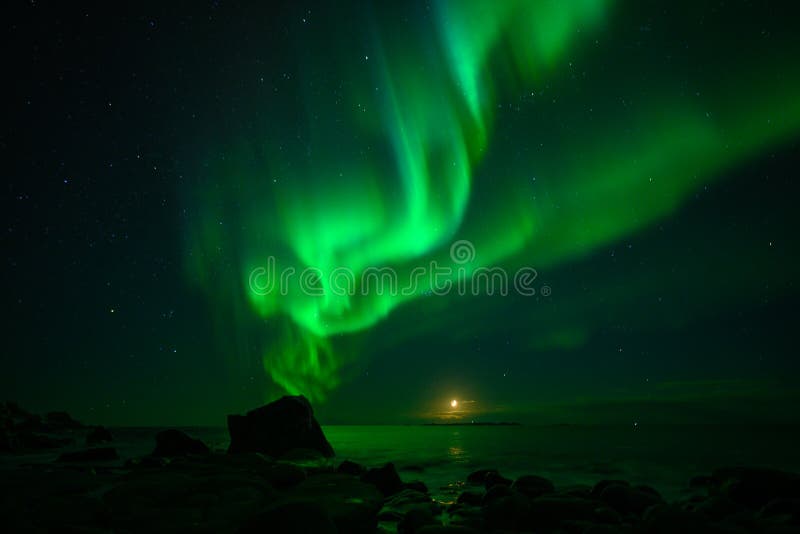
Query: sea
[664, 457]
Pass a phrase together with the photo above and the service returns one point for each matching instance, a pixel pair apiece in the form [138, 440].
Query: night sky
[641, 158]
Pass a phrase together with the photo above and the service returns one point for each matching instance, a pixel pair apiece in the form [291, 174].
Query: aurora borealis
[640, 157]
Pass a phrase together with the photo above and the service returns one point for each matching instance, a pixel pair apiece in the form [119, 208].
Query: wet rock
[470, 497]
[700, 482]
[176, 443]
[493, 478]
[146, 462]
[414, 520]
[533, 486]
[351, 504]
[302, 455]
[57, 421]
[174, 500]
[101, 454]
[479, 477]
[408, 499]
[384, 478]
[669, 518]
[416, 485]
[755, 487]
[598, 488]
[496, 492]
[351, 468]
[32, 441]
[786, 509]
[467, 516]
[278, 427]
[506, 513]
[282, 476]
[549, 512]
[291, 517]
[716, 507]
[98, 434]
[629, 500]
[449, 529]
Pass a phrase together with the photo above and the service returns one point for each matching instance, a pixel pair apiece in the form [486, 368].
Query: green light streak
[394, 182]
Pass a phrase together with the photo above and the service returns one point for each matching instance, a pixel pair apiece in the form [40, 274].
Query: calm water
[664, 457]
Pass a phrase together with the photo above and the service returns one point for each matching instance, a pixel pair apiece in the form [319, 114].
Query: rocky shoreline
[298, 487]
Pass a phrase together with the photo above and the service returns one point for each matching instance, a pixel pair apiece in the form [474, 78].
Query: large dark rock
[496, 492]
[98, 434]
[668, 518]
[472, 498]
[292, 517]
[755, 487]
[61, 421]
[351, 468]
[549, 512]
[385, 478]
[278, 427]
[626, 499]
[351, 504]
[31, 441]
[507, 512]
[449, 529]
[176, 443]
[493, 478]
[533, 486]
[102, 454]
[479, 476]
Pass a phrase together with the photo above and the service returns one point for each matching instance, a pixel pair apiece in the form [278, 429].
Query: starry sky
[641, 159]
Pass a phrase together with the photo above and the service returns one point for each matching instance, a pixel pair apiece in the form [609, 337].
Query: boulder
[351, 504]
[416, 485]
[550, 511]
[472, 498]
[668, 518]
[479, 477]
[302, 456]
[629, 500]
[33, 441]
[384, 478]
[291, 517]
[598, 488]
[449, 529]
[278, 427]
[755, 487]
[61, 421]
[493, 478]
[533, 486]
[414, 520]
[176, 443]
[98, 434]
[407, 500]
[506, 513]
[787, 509]
[351, 468]
[101, 454]
[496, 492]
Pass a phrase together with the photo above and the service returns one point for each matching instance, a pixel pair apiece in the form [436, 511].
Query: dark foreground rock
[98, 434]
[187, 488]
[100, 454]
[277, 428]
[23, 432]
[385, 478]
[89, 491]
[176, 443]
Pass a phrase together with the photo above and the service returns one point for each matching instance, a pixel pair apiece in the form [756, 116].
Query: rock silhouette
[277, 428]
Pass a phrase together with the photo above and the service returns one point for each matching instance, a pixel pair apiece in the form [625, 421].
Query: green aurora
[421, 146]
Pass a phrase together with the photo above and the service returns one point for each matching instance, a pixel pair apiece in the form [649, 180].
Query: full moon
[454, 403]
